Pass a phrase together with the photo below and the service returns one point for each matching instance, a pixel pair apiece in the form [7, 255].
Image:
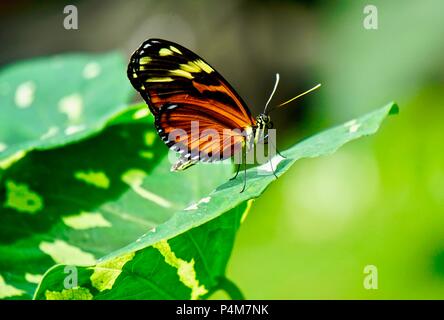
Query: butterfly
[182, 89]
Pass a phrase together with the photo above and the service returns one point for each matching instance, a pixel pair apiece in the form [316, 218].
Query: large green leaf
[82, 201]
[190, 266]
[49, 102]
[172, 262]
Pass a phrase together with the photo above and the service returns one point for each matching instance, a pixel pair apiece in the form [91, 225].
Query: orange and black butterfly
[181, 88]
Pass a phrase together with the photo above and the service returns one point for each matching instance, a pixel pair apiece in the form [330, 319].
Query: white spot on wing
[3, 147]
[24, 95]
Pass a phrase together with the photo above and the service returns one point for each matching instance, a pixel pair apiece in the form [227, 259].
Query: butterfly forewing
[179, 88]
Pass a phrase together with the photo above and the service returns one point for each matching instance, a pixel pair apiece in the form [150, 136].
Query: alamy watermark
[72, 279]
[71, 20]
[371, 277]
[370, 21]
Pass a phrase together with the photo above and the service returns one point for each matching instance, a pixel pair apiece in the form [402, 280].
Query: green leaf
[49, 102]
[189, 266]
[77, 203]
[178, 260]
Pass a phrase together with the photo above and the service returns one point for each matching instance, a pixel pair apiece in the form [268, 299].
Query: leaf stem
[231, 289]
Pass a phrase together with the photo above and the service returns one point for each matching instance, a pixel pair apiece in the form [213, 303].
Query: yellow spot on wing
[7, 290]
[77, 293]
[205, 67]
[64, 253]
[190, 67]
[19, 197]
[175, 50]
[164, 79]
[165, 52]
[181, 73]
[196, 66]
[95, 178]
[185, 270]
[145, 60]
[86, 220]
[106, 272]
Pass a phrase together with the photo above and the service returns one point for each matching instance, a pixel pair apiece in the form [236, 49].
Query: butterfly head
[263, 124]
[263, 121]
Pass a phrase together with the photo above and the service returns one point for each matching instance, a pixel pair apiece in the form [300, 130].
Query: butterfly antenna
[272, 93]
[299, 95]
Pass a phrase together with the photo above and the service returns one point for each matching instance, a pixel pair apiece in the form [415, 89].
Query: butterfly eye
[270, 125]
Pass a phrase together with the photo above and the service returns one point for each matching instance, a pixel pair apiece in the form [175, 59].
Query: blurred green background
[378, 201]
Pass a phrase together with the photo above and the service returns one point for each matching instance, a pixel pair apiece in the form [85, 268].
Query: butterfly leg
[280, 154]
[244, 160]
[264, 138]
[237, 172]
[277, 151]
[245, 176]
[182, 164]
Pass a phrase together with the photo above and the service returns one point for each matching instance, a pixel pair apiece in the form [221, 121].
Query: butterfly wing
[198, 133]
[179, 88]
